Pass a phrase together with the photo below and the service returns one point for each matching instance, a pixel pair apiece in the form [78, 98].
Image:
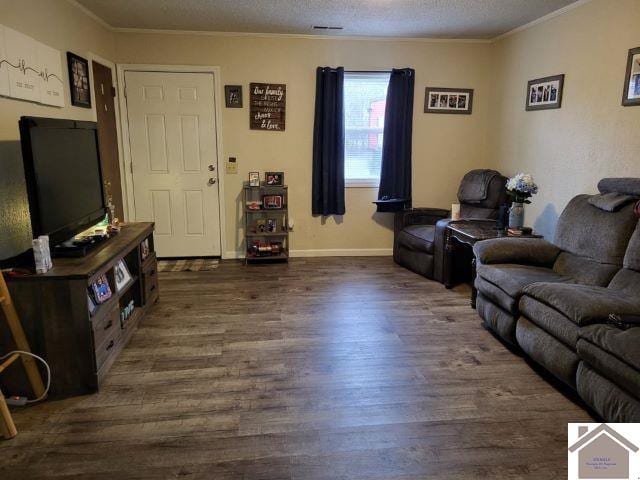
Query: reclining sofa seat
[419, 233]
[562, 328]
[588, 249]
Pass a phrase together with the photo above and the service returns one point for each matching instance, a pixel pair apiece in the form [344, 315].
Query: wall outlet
[232, 165]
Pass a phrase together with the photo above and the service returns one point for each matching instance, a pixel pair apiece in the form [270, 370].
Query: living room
[342, 353]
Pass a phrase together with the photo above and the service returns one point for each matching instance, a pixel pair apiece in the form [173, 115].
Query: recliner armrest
[418, 216]
[523, 251]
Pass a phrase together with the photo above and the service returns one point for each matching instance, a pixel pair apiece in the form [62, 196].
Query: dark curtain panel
[328, 143]
[395, 175]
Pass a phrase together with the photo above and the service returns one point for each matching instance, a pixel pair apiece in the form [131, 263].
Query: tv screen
[64, 181]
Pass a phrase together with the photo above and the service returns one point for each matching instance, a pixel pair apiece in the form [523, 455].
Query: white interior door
[172, 135]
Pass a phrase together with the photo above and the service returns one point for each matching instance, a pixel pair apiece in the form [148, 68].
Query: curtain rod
[367, 71]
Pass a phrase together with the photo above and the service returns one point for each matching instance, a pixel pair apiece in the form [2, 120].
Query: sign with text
[267, 106]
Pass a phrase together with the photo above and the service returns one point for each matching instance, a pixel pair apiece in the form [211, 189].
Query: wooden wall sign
[267, 106]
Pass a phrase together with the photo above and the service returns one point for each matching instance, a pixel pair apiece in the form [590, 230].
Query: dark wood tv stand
[81, 347]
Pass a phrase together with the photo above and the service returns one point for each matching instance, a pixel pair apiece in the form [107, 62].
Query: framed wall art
[631, 91]
[545, 93]
[79, 81]
[233, 96]
[448, 100]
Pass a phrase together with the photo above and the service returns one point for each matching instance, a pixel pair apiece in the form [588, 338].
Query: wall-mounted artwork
[233, 96]
[29, 70]
[267, 106]
[631, 92]
[545, 93]
[448, 100]
[79, 81]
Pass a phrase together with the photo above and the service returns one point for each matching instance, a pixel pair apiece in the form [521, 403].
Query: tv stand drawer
[105, 327]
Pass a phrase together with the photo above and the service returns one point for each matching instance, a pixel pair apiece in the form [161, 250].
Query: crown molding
[540, 20]
[149, 31]
[90, 14]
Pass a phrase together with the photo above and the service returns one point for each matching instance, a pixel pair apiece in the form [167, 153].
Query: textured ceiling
[481, 19]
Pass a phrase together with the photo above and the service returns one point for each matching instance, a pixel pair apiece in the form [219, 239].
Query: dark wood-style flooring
[328, 368]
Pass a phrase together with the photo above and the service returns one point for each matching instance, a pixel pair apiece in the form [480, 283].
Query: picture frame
[91, 304]
[233, 96]
[272, 202]
[272, 225]
[122, 275]
[79, 83]
[544, 93]
[631, 88]
[457, 101]
[274, 179]
[101, 290]
[254, 179]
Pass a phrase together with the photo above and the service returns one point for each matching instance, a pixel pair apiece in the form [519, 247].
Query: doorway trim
[116, 101]
[126, 150]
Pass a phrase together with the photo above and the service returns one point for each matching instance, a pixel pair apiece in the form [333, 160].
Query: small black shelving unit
[266, 230]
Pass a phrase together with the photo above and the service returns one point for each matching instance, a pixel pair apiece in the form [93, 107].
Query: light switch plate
[232, 165]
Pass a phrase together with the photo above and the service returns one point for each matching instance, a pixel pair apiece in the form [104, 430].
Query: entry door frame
[126, 166]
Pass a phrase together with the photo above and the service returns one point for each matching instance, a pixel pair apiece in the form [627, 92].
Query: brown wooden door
[107, 133]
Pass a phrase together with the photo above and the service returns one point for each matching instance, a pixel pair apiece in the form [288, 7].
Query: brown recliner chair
[419, 233]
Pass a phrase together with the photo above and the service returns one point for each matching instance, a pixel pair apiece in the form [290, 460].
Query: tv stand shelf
[81, 346]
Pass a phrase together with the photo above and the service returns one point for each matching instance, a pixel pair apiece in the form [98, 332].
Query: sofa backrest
[594, 241]
[628, 279]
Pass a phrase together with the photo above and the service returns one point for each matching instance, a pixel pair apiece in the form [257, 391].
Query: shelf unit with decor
[266, 229]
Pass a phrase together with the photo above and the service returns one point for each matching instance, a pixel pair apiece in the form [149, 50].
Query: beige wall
[60, 25]
[592, 135]
[444, 146]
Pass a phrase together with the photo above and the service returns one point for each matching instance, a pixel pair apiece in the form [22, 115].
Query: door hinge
[113, 92]
[131, 167]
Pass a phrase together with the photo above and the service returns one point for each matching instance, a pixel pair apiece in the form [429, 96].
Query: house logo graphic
[600, 451]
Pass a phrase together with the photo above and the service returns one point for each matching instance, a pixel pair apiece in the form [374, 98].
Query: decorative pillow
[611, 202]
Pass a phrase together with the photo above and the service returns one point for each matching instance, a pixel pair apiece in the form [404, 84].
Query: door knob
[211, 168]
[212, 181]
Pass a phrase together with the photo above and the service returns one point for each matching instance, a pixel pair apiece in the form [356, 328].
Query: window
[365, 97]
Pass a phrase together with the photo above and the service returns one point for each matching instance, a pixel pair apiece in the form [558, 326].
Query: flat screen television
[63, 176]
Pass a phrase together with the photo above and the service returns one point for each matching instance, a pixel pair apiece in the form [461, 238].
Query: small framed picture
[122, 275]
[448, 100]
[233, 96]
[254, 179]
[272, 225]
[274, 178]
[631, 91]
[101, 289]
[79, 81]
[545, 93]
[272, 202]
[261, 225]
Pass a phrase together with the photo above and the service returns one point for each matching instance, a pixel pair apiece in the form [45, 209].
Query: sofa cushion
[584, 270]
[627, 281]
[587, 231]
[512, 278]
[632, 256]
[622, 344]
[418, 238]
[497, 296]
[583, 304]
[610, 402]
[609, 366]
[550, 320]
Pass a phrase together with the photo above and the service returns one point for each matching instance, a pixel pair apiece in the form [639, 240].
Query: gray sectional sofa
[553, 300]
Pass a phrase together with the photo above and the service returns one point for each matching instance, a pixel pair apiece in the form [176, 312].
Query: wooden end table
[465, 234]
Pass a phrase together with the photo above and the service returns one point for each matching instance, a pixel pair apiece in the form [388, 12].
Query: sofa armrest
[525, 251]
[418, 216]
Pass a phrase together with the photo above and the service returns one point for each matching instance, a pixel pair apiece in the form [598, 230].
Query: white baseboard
[343, 252]
[329, 252]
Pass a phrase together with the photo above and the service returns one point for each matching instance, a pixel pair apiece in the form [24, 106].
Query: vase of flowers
[520, 188]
